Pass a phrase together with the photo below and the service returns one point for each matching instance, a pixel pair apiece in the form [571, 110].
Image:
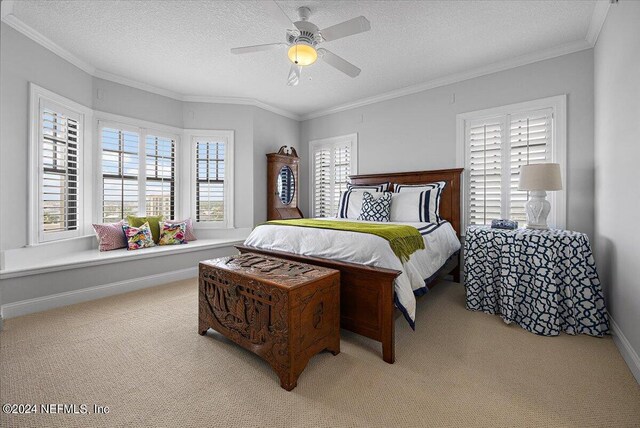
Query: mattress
[440, 241]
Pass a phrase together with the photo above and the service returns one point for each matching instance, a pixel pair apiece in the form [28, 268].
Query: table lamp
[538, 179]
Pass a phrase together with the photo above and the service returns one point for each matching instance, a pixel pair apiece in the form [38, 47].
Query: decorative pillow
[382, 187]
[154, 224]
[110, 236]
[375, 209]
[420, 207]
[138, 237]
[173, 233]
[350, 204]
[429, 202]
[189, 235]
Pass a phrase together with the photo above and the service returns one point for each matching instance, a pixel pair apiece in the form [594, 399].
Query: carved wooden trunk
[283, 311]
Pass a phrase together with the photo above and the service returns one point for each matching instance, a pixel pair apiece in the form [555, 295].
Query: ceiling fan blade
[347, 28]
[294, 75]
[278, 14]
[256, 48]
[339, 63]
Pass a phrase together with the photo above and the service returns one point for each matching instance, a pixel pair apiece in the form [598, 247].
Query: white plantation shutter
[484, 165]
[332, 163]
[59, 148]
[160, 163]
[530, 142]
[495, 150]
[342, 170]
[322, 200]
[210, 180]
[120, 173]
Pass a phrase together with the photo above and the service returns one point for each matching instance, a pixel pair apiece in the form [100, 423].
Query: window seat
[30, 265]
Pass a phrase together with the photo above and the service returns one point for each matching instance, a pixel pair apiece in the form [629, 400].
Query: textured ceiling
[183, 46]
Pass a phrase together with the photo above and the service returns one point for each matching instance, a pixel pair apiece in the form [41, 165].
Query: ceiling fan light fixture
[302, 54]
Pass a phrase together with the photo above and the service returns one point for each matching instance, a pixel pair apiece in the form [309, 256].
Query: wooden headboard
[450, 199]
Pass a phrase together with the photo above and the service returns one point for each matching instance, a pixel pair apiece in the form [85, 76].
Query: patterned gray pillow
[375, 209]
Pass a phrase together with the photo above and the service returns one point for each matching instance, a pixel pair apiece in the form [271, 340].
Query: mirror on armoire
[282, 184]
[286, 186]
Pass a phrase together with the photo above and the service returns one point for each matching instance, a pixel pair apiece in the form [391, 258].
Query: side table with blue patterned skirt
[544, 280]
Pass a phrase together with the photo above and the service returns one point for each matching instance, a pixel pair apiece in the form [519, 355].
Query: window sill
[92, 257]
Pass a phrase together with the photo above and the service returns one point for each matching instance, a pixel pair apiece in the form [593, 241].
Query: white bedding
[440, 243]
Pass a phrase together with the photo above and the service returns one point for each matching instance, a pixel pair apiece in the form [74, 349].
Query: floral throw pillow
[138, 237]
[173, 233]
[189, 235]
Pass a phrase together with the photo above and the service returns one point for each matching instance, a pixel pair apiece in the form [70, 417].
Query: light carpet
[140, 354]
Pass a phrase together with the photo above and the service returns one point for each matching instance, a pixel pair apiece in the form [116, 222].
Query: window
[332, 161]
[212, 189]
[138, 172]
[496, 143]
[56, 134]
[120, 167]
[161, 176]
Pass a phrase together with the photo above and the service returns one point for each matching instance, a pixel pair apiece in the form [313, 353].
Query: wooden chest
[283, 311]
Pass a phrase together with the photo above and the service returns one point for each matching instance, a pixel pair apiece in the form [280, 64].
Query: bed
[369, 295]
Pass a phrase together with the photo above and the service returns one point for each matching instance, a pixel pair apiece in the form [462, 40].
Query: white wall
[25, 61]
[418, 132]
[270, 132]
[617, 152]
[238, 118]
[124, 100]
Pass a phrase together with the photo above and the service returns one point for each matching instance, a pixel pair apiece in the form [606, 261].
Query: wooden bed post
[388, 326]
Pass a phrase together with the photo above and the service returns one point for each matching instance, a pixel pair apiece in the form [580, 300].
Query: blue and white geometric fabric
[375, 208]
[544, 280]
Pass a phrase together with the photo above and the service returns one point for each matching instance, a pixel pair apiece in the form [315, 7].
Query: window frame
[558, 106]
[38, 99]
[174, 178]
[331, 143]
[143, 129]
[192, 135]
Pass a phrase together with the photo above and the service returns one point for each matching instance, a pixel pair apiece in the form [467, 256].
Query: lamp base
[533, 226]
[537, 209]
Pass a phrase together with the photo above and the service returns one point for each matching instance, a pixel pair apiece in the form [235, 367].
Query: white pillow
[401, 188]
[351, 203]
[416, 207]
[405, 207]
[382, 187]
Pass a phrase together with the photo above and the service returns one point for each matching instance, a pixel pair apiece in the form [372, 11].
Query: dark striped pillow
[429, 208]
[382, 187]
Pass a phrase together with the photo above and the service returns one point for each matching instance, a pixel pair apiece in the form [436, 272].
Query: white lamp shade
[541, 176]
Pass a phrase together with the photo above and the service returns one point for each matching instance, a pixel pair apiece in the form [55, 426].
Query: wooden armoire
[282, 184]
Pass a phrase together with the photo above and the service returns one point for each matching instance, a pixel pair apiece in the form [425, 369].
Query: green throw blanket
[404, 240]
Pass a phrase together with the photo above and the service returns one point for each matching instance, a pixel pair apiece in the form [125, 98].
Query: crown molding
[6, 7]
[116, 78]
[598, 17]
[597, 20]
[458, 77]
[9, 18]
[240, 101]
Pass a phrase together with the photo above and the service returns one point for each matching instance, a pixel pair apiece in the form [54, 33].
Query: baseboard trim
[626, 350]
[39, 304]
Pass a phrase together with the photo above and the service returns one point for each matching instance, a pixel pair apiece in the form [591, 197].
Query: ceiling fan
[303, 38]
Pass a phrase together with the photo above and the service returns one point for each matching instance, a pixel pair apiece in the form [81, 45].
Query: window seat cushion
[24, 266]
